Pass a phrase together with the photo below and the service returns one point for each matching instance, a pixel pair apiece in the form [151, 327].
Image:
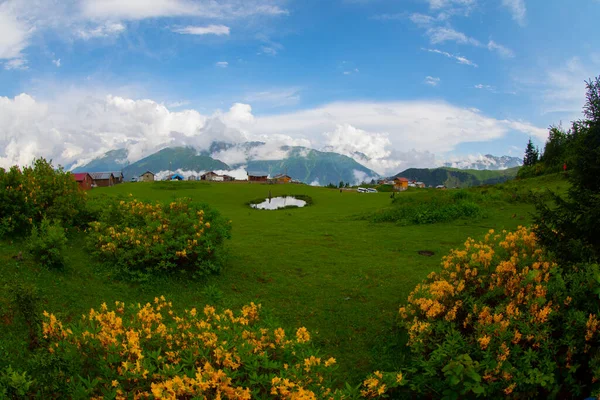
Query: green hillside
[173, 158]
[114, 160]
[310, 166]
[462, 178]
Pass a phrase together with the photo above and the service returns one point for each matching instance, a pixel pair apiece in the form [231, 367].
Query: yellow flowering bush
[151, 351]
[138, 238]
[498, 321]
[37, 192]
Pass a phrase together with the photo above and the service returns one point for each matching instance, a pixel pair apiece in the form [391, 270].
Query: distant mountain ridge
[486, 162]
[304, 164]
[452, 177]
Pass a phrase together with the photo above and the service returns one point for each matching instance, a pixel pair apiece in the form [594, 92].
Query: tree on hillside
[531, 154]
[555, 150]
[571, 228]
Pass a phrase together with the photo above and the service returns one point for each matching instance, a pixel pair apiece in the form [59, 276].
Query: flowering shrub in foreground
[498, 320]
[140, 238]
[151, 351]
[29, 195]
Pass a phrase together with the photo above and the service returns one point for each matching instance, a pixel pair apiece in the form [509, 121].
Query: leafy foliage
[47, 244]
[139, 239]
[152, 350]
[28, 196]
[570, 227]
[441, 207]
[502, 319]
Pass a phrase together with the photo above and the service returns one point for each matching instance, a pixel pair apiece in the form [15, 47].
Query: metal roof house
[102, 179]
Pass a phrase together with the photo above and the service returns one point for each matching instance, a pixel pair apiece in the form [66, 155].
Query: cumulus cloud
[219, 30]
[77, 127]
[14, 37]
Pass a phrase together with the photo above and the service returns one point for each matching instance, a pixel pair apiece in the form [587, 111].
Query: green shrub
[437, 209]
[14, 385]
[153, 351]
[501, 319]
[47, 244]
[25, 302]
[139, 239]
[28, 196]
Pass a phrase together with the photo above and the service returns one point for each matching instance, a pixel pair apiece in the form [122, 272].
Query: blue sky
[393, 83]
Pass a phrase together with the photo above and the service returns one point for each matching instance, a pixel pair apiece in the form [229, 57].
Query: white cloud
[141, 9]
[439, 4]
[432, 81]
[422, 19]
[104, 30]
[57, 62]
[459, 59]
[16, 64]
[503, 51]
[77, 127]
[219, 30]
[445, 34]
[268, 50]
[222, 64]
[14, 38]
[517, 9]
[274, 97]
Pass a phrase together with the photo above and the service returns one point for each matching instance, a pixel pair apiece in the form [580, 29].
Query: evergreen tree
[571, 228]
[531, 154]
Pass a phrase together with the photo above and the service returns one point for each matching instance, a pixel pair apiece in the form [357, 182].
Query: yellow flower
[115, 383]
[302, 335]
[329, 362]
[484, 341]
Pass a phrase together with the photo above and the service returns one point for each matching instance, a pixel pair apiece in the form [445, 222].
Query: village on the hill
[90, 180]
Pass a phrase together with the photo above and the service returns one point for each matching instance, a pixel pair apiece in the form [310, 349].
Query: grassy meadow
[327, 267]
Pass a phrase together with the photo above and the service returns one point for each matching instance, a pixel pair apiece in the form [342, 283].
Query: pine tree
[531, 154]
[570, 228]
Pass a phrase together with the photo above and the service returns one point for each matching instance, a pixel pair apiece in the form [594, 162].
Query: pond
[279, 202]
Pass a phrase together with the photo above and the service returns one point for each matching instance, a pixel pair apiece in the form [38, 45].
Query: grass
[324, 267]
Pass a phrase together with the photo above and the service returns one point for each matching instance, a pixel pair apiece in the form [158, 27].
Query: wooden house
[400, 184]
[102, 179]
[258, 177]
[117, 176]
[84, 180]
[228, 178]
[281, 178]
[209, 176]
[146, 177]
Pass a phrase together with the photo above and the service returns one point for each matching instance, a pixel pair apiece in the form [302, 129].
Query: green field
[325, 266]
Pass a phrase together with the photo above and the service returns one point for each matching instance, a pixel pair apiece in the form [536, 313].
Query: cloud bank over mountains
[74, 128]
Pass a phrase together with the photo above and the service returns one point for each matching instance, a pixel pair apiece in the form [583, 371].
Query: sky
[392, 83]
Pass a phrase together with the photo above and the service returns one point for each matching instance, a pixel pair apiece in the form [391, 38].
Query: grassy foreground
[325, 267]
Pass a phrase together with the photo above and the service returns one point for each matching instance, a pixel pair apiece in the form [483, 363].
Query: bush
[26, 302]
[47, 244]
[138, 239]
[140, 351]
[501, 319]
[35, 193]
[14, 385]
[440, 208]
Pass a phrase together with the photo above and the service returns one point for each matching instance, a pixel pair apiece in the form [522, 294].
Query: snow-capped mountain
[485, 162]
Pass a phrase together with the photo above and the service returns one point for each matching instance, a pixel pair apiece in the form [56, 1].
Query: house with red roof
[84, 180]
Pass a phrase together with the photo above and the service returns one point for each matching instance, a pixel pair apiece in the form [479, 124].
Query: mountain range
[304, 164]
[458, 178]
[486, 162]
